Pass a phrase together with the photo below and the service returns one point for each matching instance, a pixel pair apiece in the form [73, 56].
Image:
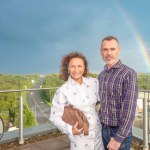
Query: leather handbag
[71, 115]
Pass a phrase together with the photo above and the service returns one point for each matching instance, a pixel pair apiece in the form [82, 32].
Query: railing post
[145, 124]
[50, 95]
[21, 140]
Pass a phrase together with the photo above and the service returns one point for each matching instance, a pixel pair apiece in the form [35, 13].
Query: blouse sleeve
[57, 109]
[97, 90]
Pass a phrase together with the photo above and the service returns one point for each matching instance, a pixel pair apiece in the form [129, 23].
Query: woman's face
[76, 69]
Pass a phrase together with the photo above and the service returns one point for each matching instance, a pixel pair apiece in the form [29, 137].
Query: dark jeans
[108, 132]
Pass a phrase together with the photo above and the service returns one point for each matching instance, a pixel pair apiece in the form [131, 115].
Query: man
[118, 89]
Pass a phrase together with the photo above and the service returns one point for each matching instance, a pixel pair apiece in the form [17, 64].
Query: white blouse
[83, 97]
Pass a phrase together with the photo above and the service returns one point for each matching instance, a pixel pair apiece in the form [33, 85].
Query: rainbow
[138, 38]
[144, 51]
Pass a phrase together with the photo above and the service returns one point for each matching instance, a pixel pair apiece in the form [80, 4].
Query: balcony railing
[41, 113]
[141, 123]
[144, 95]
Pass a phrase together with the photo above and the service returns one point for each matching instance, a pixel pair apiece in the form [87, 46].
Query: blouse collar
[72, 82]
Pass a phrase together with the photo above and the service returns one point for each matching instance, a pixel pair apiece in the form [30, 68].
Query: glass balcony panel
[9, 110]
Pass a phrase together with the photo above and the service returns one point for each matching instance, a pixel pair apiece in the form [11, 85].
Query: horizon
[140, 73]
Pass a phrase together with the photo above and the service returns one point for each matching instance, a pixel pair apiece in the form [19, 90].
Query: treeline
[144, 81]
[53, 80]
[9, 104]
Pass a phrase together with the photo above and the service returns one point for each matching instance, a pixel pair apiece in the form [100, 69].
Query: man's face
[110, 52]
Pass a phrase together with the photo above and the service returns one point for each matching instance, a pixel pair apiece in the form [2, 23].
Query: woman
[81, 92]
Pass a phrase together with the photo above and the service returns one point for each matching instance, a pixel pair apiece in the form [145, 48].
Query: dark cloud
[34, 35]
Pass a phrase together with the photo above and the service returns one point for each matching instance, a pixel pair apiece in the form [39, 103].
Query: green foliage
[144, 81]
[28, 118]
[50, 81]
[9, 82]
[93, 75]
[9, 101]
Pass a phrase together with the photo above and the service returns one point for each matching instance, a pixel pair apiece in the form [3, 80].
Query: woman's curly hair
[65, 63]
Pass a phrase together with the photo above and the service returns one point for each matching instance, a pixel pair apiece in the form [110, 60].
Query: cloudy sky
[36, 34]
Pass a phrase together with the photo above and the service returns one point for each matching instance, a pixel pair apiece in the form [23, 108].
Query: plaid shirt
[118, 89]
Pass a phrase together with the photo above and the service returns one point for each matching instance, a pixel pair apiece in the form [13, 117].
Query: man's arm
[129, 102]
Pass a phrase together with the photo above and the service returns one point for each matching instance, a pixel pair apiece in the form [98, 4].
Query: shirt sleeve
[57, 109]
[129, 102]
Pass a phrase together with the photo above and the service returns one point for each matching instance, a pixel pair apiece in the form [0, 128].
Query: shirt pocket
[117, 95]
[117, 89]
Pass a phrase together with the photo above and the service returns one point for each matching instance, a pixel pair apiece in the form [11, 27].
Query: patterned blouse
[83, 97]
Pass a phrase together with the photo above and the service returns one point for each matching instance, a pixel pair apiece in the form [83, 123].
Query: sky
[36, 34]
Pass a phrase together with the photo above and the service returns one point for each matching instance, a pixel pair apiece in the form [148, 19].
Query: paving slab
[57, 143]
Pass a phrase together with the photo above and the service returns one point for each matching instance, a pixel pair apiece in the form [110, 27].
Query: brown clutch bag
[71, 115]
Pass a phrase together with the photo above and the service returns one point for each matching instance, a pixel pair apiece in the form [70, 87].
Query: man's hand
[75, 130]
[113, 144]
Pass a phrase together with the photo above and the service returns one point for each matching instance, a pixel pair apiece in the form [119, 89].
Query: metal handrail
[148, 91]
[145, 119]
[145, 125]
[21, 90]
[21, 139]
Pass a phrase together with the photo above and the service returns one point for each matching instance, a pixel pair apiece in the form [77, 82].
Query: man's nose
[109, 51]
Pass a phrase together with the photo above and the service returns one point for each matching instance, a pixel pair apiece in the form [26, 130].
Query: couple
[117, 91]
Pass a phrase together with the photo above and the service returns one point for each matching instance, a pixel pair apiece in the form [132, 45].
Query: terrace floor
[57, 143]
[43, 138]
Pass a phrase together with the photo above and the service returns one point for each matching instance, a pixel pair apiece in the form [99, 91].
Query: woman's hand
[75, 130]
